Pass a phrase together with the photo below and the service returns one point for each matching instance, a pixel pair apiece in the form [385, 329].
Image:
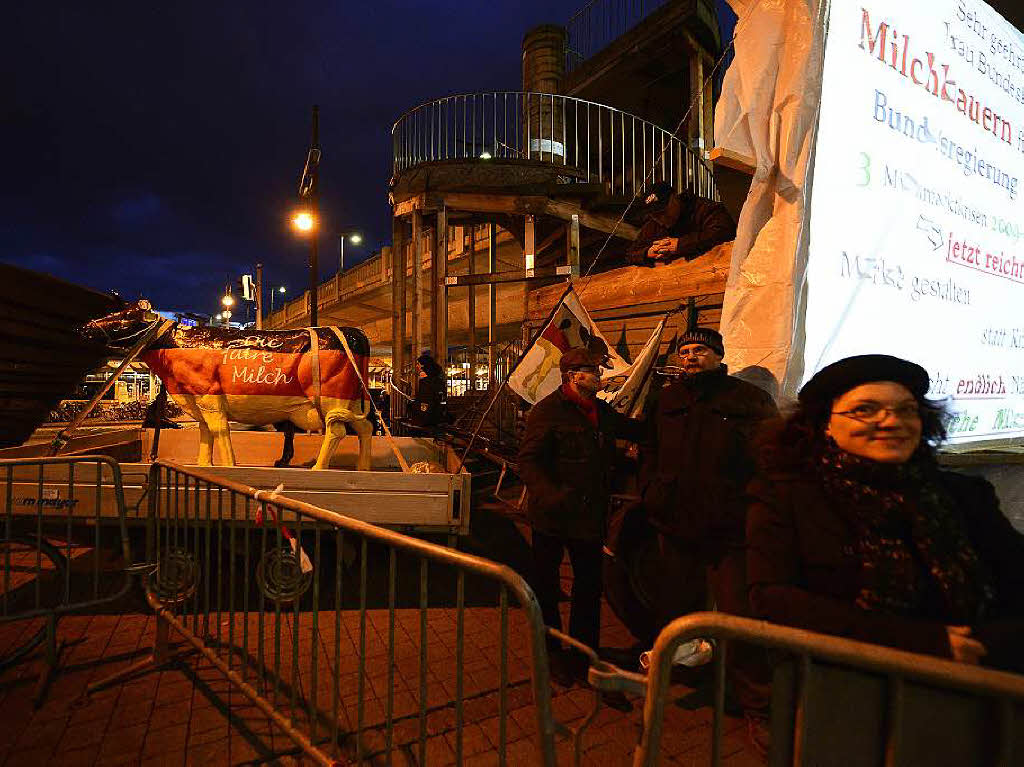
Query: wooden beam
[636, 286]
[530, 275]
[538, 205]
[599, 221]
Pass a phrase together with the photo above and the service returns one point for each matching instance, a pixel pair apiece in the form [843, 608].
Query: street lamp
[353, 236]
[227, 301]
[279, 289]
[304, 222]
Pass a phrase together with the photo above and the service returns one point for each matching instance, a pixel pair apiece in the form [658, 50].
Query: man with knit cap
[693, 478]
[566, 460]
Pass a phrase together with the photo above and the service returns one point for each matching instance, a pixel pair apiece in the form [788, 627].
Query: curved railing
[592, 142]
[598, 23]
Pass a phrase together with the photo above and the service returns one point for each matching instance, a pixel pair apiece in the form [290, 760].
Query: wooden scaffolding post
[472, 309]
[492, 301]
[398, 301]
[417, 282]
[441, 290]
[573, 245]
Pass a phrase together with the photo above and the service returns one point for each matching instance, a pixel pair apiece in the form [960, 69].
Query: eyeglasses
[873, 412]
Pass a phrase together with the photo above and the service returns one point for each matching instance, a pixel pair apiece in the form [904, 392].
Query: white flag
[627, 391]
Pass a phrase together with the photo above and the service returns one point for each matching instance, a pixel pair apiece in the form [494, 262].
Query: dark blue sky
[155, 148]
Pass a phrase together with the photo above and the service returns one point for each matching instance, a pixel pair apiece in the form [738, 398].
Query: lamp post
[279, 289]
[353, 236]
[306, 221]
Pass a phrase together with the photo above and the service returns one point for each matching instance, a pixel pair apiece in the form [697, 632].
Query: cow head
[121, 328]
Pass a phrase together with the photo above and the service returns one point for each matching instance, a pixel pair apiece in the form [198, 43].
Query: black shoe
[559, 669]
[616, 700]
[624, 657]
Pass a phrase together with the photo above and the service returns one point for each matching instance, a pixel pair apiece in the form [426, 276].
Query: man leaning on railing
[678, 225]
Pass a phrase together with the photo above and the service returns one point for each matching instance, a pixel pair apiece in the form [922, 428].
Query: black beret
[834, 380]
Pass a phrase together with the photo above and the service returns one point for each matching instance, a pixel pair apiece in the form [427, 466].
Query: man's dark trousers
[585, 605]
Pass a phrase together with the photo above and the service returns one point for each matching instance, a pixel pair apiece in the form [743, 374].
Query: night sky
[155, 148]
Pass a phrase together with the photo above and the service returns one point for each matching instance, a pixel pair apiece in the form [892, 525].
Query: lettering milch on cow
[307, 378]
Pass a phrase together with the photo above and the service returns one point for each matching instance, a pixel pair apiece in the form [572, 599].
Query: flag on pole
[570, 327]
[628, 397]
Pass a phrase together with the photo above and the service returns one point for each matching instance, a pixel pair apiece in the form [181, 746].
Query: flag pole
[522, 354]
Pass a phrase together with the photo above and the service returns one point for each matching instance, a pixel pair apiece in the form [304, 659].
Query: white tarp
[885, 250]
[767, 112]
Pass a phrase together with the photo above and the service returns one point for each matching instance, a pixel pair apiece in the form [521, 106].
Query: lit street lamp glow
[304, 222]
[355, 239]
[228, 301]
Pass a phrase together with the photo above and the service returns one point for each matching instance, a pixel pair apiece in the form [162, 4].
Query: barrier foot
[50, 661]
[161, 656]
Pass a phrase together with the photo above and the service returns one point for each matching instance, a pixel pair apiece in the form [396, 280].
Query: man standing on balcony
[566, 461]
[678, 225]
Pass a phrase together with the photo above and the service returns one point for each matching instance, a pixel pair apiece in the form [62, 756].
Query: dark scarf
[916, 557]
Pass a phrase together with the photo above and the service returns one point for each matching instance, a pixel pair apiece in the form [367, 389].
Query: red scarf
[587, 406]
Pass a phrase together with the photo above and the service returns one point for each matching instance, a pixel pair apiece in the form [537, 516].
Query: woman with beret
[853, 529]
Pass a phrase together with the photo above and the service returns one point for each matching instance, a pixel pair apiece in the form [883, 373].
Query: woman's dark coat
[803, 569]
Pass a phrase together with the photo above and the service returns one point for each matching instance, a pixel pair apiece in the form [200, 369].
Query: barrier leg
[50, 659]
[160, 656]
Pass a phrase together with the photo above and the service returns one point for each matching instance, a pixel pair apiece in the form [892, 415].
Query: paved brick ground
[189, 713]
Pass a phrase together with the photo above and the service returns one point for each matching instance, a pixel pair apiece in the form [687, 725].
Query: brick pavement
[189, 714]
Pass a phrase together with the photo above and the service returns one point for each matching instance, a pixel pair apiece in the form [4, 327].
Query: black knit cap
[706, 336]
[834, 380]
[656, 197]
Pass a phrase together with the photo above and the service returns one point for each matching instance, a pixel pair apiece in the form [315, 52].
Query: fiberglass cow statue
[310, 378]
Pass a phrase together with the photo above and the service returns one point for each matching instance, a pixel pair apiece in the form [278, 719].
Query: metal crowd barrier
[65, 549]
[836, 701]
[355, 640]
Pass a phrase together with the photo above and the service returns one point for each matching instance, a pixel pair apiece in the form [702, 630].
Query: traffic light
[248, 287]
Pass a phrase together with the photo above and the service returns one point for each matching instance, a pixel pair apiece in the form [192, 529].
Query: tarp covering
[767, 112]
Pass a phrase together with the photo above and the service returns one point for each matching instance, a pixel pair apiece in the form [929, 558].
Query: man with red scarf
[566, 461]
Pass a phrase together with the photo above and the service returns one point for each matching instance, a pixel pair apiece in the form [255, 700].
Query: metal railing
[599, 22]
[867, 703]
[65, 549]
[591, 142]
[355, 640]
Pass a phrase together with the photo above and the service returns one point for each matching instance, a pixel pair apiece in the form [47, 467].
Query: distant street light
[353, 236]
[228, 301]
[279, 289]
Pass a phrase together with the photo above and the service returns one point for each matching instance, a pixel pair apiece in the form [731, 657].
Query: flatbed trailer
[436, 502]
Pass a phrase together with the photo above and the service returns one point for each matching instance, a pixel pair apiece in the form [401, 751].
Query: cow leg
[333, 433]
[364, 431]
[205, 457]
[288, 452]
[221, 434]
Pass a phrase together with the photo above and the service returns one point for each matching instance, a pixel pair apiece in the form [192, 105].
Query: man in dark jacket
[428, 408]
[566, 460]
[678, 226]
[695, 473]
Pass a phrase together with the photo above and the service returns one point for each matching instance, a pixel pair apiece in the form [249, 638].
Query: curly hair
[797, 440]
